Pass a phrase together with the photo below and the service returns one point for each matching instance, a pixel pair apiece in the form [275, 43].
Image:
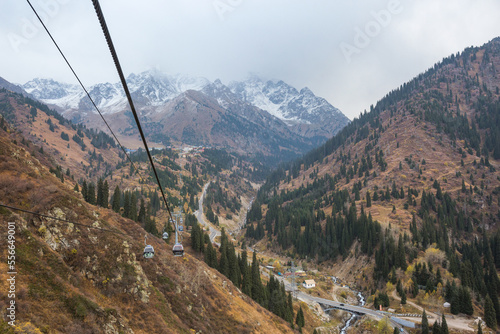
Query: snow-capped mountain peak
[152, 91]
[44, 89]
[286, 102]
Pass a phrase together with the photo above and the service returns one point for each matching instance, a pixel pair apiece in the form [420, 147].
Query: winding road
[213, 232]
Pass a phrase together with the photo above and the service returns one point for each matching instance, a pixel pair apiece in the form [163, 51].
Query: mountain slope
[75, 278]
[413, 181]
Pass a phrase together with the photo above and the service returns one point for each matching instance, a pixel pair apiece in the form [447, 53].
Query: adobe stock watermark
[363, 37]
[11, 273]
[223, 7]
[29, 29]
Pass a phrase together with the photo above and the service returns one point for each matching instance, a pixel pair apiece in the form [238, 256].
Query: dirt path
[456, 322]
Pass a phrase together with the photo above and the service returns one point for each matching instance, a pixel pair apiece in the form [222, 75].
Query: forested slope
[416, 175]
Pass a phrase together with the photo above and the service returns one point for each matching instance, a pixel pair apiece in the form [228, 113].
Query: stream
[361, 302]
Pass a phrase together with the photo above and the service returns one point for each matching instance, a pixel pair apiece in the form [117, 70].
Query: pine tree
[246, 285]
[223, 264]
[444, 325]
[126, 205]
[100, 186]
[368, 200]
[133, 207]
[489, 313]
[141, 217]
[479, 329]
[465, 301]
[91, 193]
[76, 188]
[105, 194]
[289, 310]
[116, 200]
[257, 288]
[195, 239]
[234, 268]
[425, 323]
[396, 331]
[401, 255]
[209, 256]
[436, 328]
[299, 320]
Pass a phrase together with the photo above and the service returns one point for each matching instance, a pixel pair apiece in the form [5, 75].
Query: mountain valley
[399, 206]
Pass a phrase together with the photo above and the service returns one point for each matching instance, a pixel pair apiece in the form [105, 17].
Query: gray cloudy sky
[349, 52]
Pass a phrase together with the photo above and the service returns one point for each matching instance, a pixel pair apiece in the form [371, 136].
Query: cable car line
[60, 219]
[114, 55]
[80, 82]
[147, 251]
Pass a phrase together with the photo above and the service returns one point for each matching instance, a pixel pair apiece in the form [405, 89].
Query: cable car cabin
[149, 252]
[181, 228]
[165, 235]
[178, 249]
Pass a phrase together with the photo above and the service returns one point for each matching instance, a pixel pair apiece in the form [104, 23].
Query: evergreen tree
[425, 323]
[91, 193]
[465, 301]
[105, 194]
[76, 188]
[368, 200]
[246, 285]
[116, 200]
[133, 207]
[141, 217]
[100, 187]
[211, 256]
[479, 329]
[299, 320]
[223, 264]
[401, 259]
[257, 289]
[234, 268]
[436, 328]
[195, 238]
[126, 205]
[289, 310]
[444, 325]
[489, 313]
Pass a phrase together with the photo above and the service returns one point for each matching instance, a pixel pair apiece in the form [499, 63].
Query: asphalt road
[213, 233]
[327, 302]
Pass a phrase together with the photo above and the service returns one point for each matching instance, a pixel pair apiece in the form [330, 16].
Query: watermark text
[11, 273]
[363, 37]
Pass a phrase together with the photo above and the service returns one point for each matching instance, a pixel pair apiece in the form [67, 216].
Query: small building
[300, 273]
[309, 283]
[446, 305]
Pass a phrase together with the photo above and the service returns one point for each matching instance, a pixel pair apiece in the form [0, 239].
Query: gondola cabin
[165, 235]
[178, 249]
[181, 228]
[149, 252]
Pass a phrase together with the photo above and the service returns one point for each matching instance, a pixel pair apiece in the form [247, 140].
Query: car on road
[341, 304]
